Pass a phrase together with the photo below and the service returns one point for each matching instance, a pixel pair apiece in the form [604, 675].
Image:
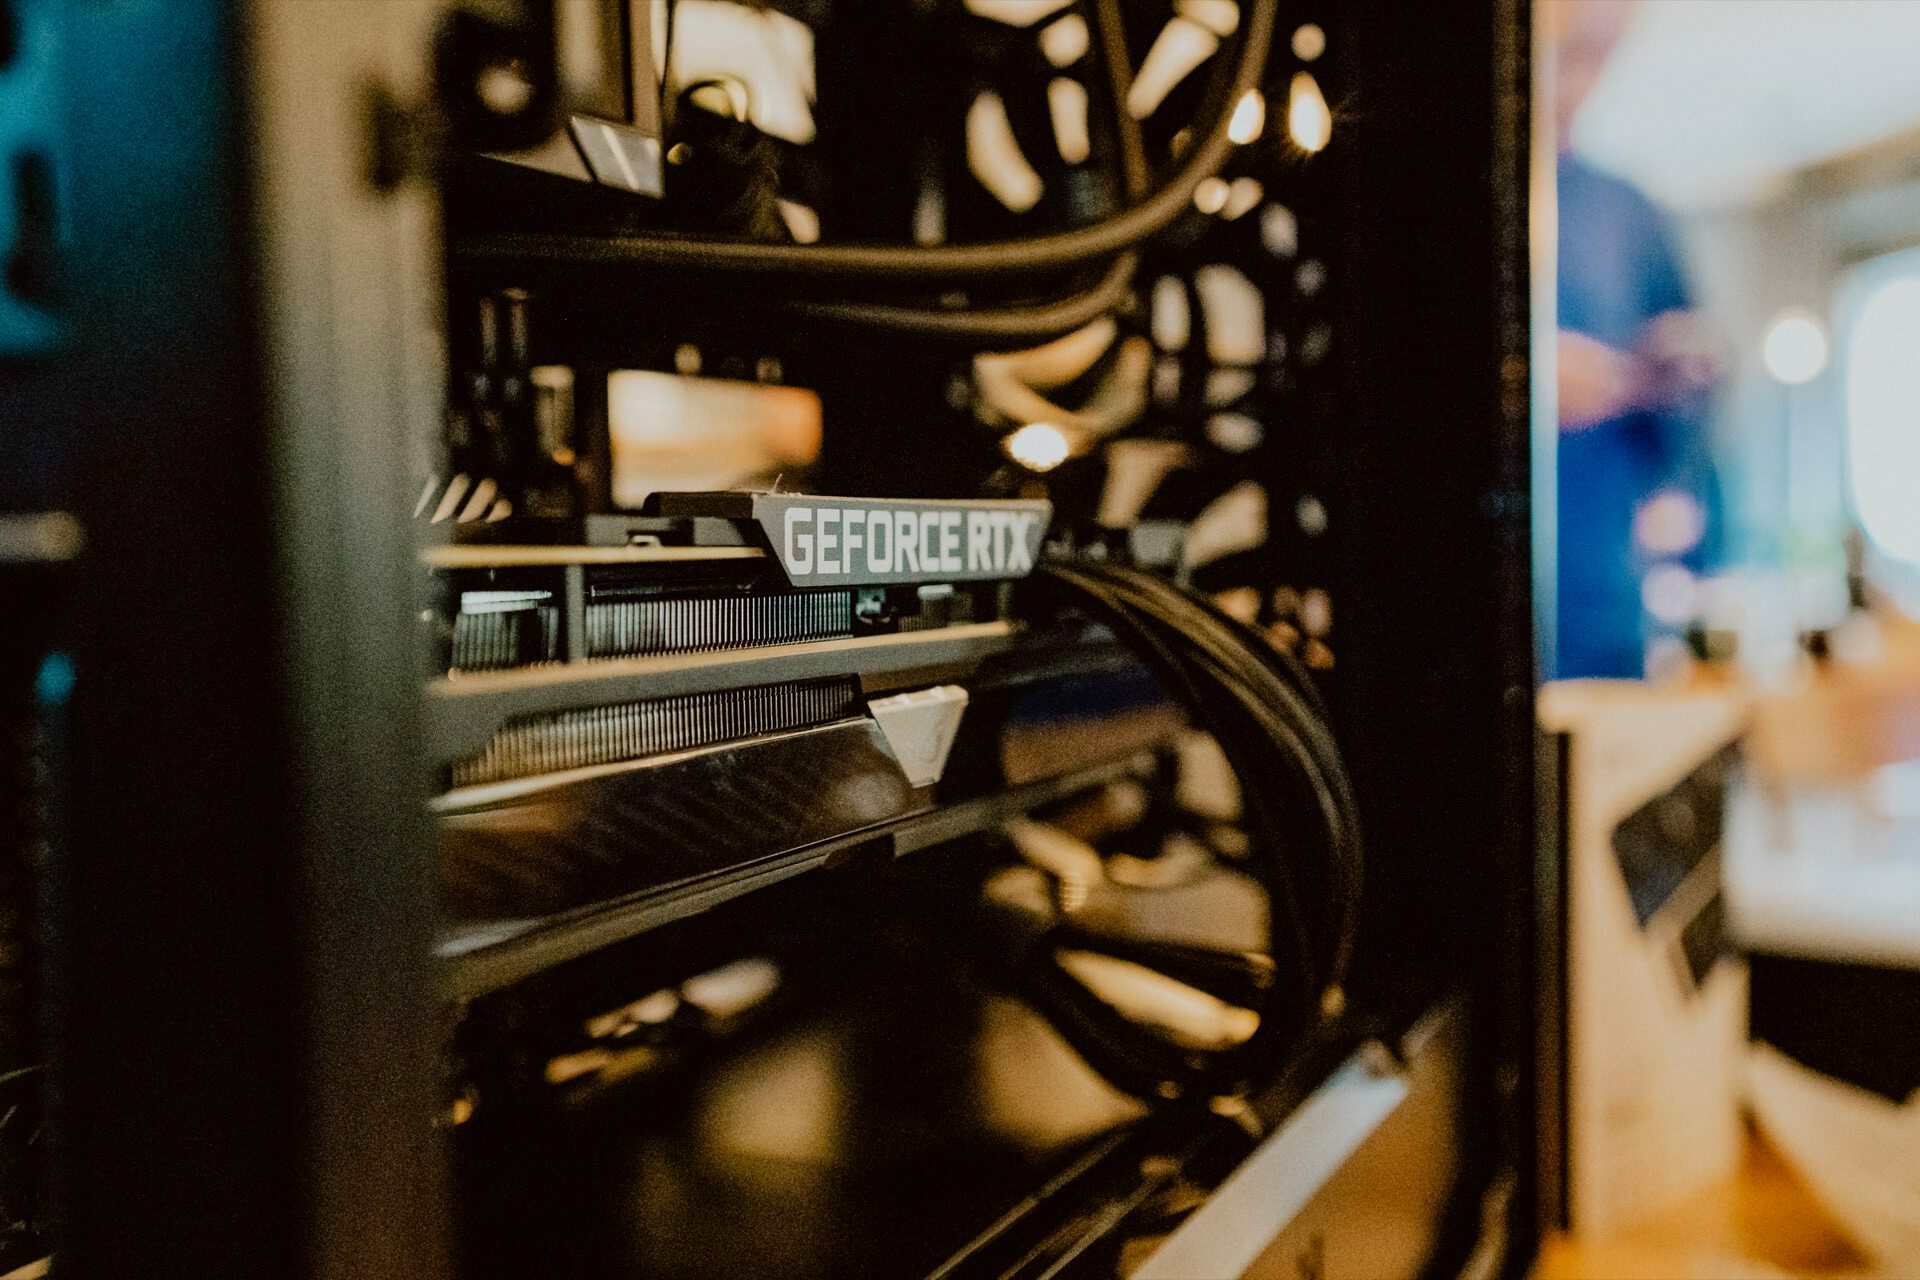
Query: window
[1883, 405]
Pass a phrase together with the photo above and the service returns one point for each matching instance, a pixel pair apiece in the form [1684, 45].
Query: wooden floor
[1760, 1225]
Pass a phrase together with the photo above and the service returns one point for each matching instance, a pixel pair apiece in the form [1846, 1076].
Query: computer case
[256, 1027]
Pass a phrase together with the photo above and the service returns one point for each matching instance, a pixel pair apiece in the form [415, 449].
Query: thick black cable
[1038, 321]
[900, 264]
[1019, 322]
[1231, 643]
[1290, 667]
[1117, 62]
[1225, 636]
[1200, 696]
[1215, 662]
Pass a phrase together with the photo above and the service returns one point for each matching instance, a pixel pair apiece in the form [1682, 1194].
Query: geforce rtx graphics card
[719, 680]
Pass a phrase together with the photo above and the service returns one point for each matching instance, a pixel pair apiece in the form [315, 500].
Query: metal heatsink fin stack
[630, 730]
[518, 635]
[624, 628]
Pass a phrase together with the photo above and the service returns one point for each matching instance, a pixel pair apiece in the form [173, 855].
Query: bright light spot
[1671, 594]
[1795, 348]
[1883, 416]
[1211, 195]
[1309, 42]
[1309, 123]
[1249, 118]
[732, 988]
[503, 88]
[1038, 446]
[1670, 523]
[54, 682]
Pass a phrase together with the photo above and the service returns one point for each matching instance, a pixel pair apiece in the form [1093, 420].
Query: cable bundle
[1260, 705]
[1109, 244]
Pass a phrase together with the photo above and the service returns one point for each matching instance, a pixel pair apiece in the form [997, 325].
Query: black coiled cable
[1261, 707]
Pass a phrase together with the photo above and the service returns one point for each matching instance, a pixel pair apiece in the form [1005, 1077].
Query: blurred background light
[1710, 105]
[1671, 594]
[1670, 523]
[1795, 348]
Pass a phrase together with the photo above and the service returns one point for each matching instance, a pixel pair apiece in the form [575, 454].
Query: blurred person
[1636, 491]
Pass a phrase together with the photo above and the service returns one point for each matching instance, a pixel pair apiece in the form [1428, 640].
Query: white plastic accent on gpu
[920, 727]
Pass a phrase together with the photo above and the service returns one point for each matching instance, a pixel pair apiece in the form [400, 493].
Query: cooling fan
[1035, 82]
[1164, 418]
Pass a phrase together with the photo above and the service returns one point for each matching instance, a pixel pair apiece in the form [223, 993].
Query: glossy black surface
[659, 822]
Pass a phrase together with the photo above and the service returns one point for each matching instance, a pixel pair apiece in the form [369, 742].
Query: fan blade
[1242, 195]
[1184, 1014]
[1279, 231]
[803, 224]
[1225, 386]
[1066, 41]
[1241, 978]
[1135, 472]
[1222, 17]
[1129, 1056]
[1170, 322]
[1236, 314]
[1067, 106]
[1015, 13]
[1069, 859]
[1056, 363]
[995, 158]
[1121, 397]
[765, 50]
[1235, 521]
[1234, 432]
[1207, 785]
[1117, 401]
[1181, 46]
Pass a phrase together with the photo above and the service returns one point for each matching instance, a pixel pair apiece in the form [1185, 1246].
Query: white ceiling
[1713, 102]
